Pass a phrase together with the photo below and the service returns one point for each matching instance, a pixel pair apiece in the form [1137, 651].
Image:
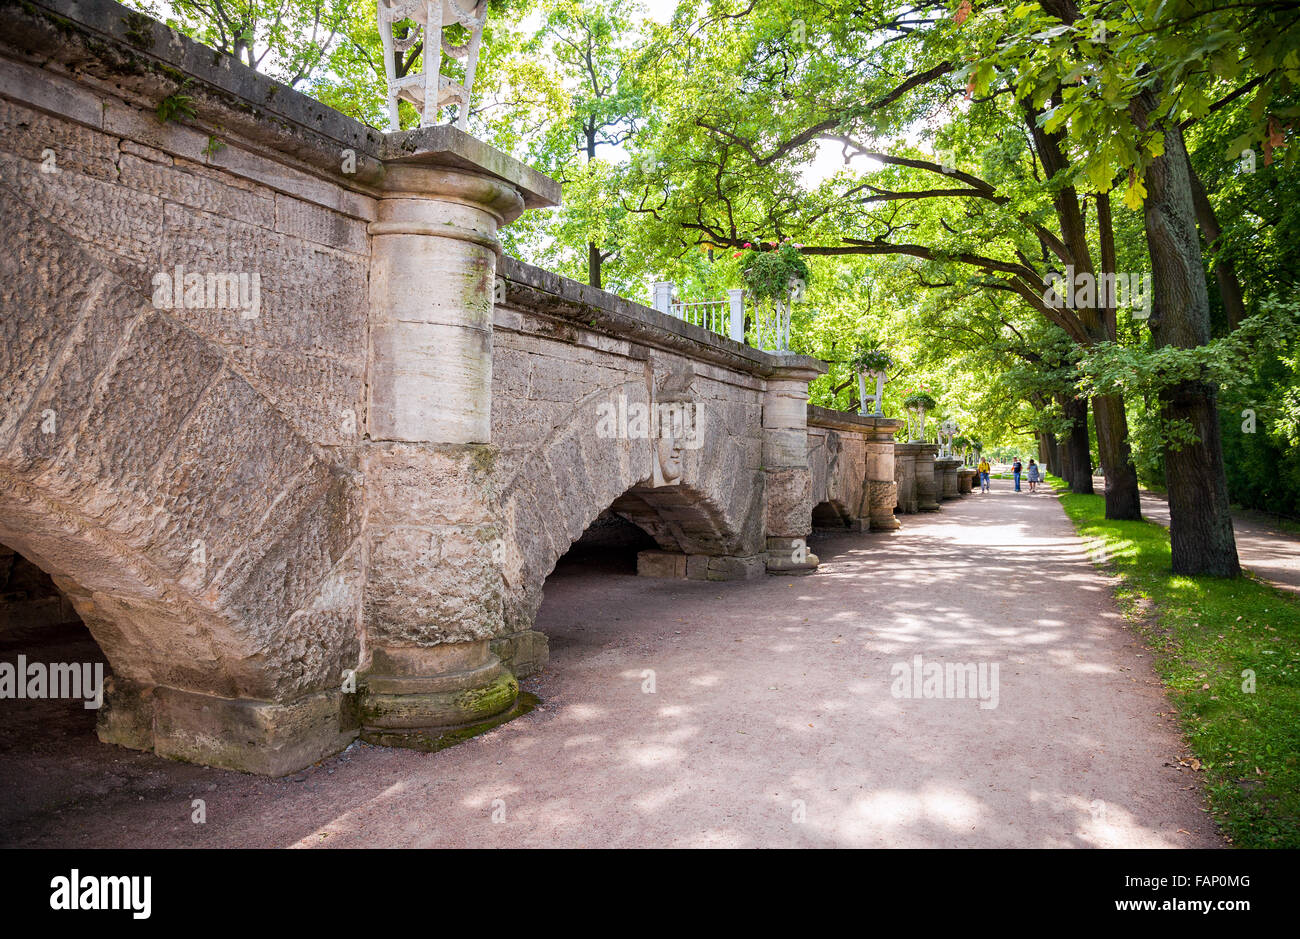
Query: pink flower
[747, 245]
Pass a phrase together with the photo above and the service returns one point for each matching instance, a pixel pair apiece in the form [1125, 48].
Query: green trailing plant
[214, 146]
[773, 271]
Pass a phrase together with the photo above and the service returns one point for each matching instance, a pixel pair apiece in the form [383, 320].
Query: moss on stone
[139, 30]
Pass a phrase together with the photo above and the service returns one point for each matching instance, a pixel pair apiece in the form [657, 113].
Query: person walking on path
[1034, 476]
[984, 474]
[1015, 471]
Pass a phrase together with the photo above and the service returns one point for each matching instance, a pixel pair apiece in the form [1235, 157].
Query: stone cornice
[880, 427]
[541, 292]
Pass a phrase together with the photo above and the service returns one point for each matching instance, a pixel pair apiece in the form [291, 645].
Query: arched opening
[610, 543]
[830, 516]
[51, 674]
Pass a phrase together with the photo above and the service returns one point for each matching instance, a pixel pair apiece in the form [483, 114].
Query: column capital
[408, 156]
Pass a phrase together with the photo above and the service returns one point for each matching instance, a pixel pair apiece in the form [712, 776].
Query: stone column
[788, 483]
[927, 485]
[882, 490]
[434, 594]
[946, 470]
[905, 476]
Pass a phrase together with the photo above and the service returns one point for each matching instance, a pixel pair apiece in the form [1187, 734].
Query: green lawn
[1205, 632]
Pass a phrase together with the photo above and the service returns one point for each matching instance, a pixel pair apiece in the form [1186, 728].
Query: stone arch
[831, 514]
[209, 548]
[564, 483]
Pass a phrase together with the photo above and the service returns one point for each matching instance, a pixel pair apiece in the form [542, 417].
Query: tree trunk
[1080, 453]
[1122, 499]
[593, 264]
[593, 249]
[1225, 272]
[1053, 454]
[1200, 519]
[1200, 527]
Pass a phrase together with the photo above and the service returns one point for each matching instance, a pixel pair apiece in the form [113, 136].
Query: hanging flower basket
[870, 360]
[776, 275]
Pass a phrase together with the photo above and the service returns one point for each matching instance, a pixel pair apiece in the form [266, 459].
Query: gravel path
[772, 721]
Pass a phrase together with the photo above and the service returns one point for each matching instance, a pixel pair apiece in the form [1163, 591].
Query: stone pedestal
[434, 597]
[881, 487]
[905, 477]
[927, 482]
[946, 477]
[788, 482]
[965, 480]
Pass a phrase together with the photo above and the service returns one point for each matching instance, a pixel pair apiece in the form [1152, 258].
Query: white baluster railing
[725, 317]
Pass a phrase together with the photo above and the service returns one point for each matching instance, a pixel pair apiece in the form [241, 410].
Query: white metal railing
[773, 333]
[711, 314]
[724, 317]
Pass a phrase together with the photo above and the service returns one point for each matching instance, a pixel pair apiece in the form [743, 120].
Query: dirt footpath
[769, 713]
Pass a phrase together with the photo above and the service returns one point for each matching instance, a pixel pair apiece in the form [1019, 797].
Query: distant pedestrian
[984, 474]
[1015, 471]
[1034, 476]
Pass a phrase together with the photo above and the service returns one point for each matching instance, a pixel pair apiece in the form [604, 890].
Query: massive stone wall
[852, 462]
[568, 363]
[317, 492]
[187, 474]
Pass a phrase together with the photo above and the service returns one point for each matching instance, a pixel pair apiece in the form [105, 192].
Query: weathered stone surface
[268, 738]
[377, 467]
[524, 653]
[789, 502]
[662, 564]
[946, 477]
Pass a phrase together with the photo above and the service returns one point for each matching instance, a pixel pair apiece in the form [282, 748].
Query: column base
[885, 523]
[430, 697]
[268, 738]
[790, 556]
[524, 653]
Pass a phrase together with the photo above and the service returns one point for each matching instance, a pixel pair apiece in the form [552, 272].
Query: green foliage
[892, 144]
[290, 40]
[918, 400]
[1206, 632]
[773, 272]
[175, 107]
[214, 146]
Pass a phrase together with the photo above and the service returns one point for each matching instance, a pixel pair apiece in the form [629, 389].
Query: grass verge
[1228, 652]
